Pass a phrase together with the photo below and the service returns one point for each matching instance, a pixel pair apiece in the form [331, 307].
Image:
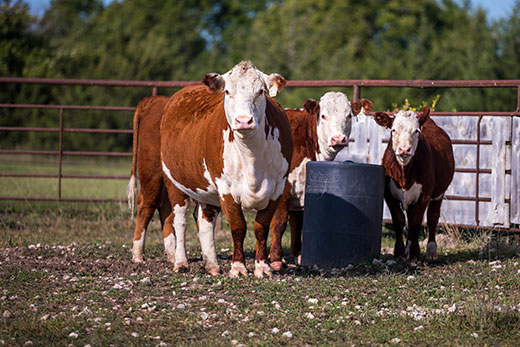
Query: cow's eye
[260, 92]
[392, 131]
[417, 131]
[324, 117]
[227, 92]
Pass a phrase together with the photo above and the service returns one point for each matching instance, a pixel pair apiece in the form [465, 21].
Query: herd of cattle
[226, 144]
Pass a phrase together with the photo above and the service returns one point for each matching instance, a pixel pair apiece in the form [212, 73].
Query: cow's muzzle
[338, 141]
[244, 123]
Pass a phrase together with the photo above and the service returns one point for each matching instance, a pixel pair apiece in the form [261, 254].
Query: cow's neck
[325, 153]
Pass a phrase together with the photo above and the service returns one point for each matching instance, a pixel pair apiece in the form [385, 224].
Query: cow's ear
[274, 83]
[312, 106]
[362, 104]
[214, 81]
[423, 115]
[383, 119]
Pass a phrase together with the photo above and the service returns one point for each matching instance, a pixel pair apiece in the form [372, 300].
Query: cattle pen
[488, 189]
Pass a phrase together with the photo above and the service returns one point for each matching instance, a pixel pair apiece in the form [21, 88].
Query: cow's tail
[132, 185]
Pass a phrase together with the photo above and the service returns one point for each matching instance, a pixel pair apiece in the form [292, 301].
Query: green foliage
[407, 106]
[301, 39]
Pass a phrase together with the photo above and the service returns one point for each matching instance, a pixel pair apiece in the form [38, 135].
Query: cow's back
[148, 156]
[441, 154]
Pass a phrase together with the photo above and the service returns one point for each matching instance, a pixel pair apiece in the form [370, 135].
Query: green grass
[78, 188]
[66, 268]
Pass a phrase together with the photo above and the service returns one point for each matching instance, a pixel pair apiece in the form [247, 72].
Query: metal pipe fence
[357, 85]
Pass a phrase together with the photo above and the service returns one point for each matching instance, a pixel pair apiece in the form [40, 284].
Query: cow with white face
[226, 144]
[419, 167]
[405, 136]
[320, 130]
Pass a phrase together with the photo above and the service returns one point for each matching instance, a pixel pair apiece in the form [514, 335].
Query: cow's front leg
[278, 225]
[415, 215]
[263, 218]
[206, 218]
[238, 226]
[398, 222]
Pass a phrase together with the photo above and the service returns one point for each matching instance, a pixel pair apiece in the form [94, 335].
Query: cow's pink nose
[243, 122]
[338, 140]
[404, 150]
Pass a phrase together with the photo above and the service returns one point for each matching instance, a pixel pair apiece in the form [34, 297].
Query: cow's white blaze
[137, 248]
[254, 168]
[334, 121]
[405, 134]
[207, 242]
[297, 180]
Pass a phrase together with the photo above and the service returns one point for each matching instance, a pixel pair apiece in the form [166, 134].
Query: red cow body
[419, 168]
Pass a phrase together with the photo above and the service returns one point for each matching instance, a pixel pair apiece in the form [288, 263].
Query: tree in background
[301, 39]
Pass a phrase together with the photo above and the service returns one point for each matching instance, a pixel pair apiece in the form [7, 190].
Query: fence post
[357, 92]
[154, 91]
[477, 180]
[60, 152]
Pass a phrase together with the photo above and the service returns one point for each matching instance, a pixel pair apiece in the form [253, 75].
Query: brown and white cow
[146, 161]
[225, 144]
[320, 130]
[419, 168]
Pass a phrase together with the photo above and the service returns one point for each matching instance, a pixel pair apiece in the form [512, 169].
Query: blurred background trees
[301, 39]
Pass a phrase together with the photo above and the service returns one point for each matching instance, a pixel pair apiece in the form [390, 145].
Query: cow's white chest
[406, 197]
[207, 194]
[297, 180]
[254, 171]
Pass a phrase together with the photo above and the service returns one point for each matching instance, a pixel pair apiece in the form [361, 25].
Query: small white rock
[134, 334]
[309, 315]
[395, 340]
[287, 334]
[312, 301]
[74, 335]
[275, 330]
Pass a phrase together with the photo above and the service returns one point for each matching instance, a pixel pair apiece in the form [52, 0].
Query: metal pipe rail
[355, 84]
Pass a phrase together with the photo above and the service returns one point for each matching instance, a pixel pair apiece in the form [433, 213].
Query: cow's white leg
[180, 223]
[206, 219]
[169, 247]
[262, 268]
[145, 211]
[137, 248]
[237, 269]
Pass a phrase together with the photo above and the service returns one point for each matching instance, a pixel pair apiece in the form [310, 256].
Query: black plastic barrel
[343, 213]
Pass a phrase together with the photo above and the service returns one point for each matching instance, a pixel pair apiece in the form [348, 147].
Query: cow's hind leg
[145, 209]
[432, 217]
[296, 224]
[165, 209]
[206, 219]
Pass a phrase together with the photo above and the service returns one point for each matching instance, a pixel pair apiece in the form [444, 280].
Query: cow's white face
[334, 121]
[405, 136]
[244, 86]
